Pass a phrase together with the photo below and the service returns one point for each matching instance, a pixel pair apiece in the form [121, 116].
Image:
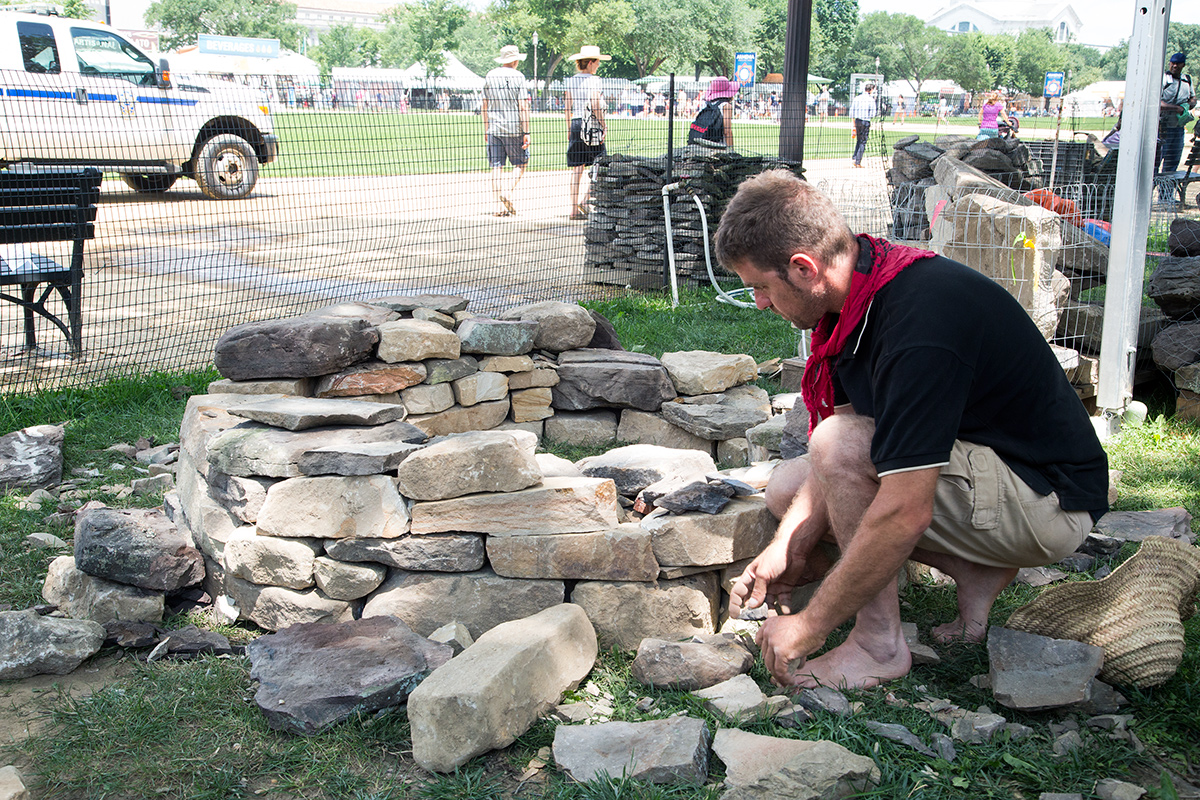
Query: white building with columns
[1002, 16]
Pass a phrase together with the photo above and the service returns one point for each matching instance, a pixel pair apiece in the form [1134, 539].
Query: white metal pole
[1131, 208]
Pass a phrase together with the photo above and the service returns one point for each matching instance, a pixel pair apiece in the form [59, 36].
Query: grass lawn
[343, 143]
[188, 730]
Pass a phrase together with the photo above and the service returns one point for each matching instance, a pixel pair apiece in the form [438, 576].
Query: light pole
[536, 93]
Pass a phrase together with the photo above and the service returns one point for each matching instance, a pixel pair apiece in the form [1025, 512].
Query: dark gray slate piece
[1184, 239]
[138, 546]
[1032, 672]
[497, 337]
[1177, 345]
[709, 498]
[698, 664]
[314, 675]
[31, 457]
[191, 642]
[302, 413]
[1134, 526]
[437, 552]
[1175, 286]
[610, 378]
[443, 370]
[31, 644]
[442, 303]
[368, 458]
[301, 347]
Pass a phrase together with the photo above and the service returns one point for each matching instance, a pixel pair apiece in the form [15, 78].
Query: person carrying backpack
[714, 123]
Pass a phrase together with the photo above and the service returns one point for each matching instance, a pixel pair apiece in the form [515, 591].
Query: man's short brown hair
[775, 215]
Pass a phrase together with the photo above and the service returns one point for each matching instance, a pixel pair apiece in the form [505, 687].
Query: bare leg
[786, 479]
[497, 182]
[576, 174]
[875, 650]
[516, 178]
[978, 588]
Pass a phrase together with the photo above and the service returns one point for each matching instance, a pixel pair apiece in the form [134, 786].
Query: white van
[75, 93]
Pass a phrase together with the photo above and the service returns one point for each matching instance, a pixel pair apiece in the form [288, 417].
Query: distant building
[318, 16]
[1003, 16]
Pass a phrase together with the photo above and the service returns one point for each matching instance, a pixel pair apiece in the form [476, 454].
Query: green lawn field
[345, 143]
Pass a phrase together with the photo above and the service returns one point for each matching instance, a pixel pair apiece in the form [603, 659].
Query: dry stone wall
[405, 482]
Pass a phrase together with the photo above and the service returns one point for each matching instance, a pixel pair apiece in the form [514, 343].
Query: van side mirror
[162, 75]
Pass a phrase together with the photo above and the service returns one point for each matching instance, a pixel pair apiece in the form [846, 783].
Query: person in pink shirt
[991, 114]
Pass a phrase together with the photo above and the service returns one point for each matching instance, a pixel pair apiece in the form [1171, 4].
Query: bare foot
[851, 666]
[971, 631]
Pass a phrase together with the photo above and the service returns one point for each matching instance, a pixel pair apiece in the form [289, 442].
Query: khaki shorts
[984, 513]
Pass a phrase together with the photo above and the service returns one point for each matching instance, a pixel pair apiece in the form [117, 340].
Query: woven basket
[1136, 614]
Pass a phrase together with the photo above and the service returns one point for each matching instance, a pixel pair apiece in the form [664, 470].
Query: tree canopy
[185, 20]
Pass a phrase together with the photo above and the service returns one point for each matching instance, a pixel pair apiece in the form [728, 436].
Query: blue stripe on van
[170, 101]
[46, 93]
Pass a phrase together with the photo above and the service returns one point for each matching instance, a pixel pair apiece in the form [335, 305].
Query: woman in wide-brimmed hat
[714, 123]
[583, 94]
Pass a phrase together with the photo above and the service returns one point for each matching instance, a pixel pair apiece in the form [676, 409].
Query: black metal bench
[1179, 180]
[48, 205]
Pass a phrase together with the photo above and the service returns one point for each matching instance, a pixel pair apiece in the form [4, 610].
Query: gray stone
[733, 452]
[1066, 743]
[583, 428]
[1039, 576]
[1188, 378]
[373, 314]
[416, 340]
[302, 413]
[497, 337]
[31, 457]
[1030, 672]
[647, 428]
[1060, 796]
[821, 772]
[444, 370]
[139, 547]
[608, 378]
[738, 699]
[370, 458]
[407, 303]
[751, 756]
[1114, 789]
[741, 530]
[768, 435]
[51, 542]
[497, 688]
[557, 505]
[31, 644]
[560, 326]
[1177, 345]
[191, 642]
[480, 461]
[241, 496]
[973, 727]
[428, 398]
[529, 405]
[625, 613]
[703, 372]
[342, 581]
[12, 784]
[143, 487]
[454, 634]
[543, 377]
[702, 496]
[824, 699]
[621, 554]
[81, 596]
[362, 507]
[698, 664]
[296, 387]
[251, 449]
[507, 364]
[301, 347]
[726, 419]
[271, 560]
[312, 676]
[1175, 286]
[1184, 238]
[480, 387]
[480, 600]
[901, 734]
[371, 377]
[1134, 526]
[636, 466]
[663, 751]
[445, 552]
[276, 607]
[459, 419]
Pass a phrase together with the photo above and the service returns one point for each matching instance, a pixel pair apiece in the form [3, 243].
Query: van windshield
[106, 54]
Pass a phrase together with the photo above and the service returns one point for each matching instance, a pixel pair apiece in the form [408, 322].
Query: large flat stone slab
[371, 377]
[636, 466]
[276, 607]
[312, 676]
[665, 751]
[81, 596]
[621, 554]
[461, 419]
[646, 428]
[704, 372]
[254, 449]
[407, 303]
[439, 552]
[480, 600]
[557, 505]
[560, 326]
[496, 689]
[497, 337]
[728, 416]
[479, 461]
[31, 458]
[740, 530]
[302, 413]
[821, 772]
[356, 507]
[1031, 672]
[407, 340]
[750, 756]
[590, 378]
[369, 458]
[139, 547]
[37, 645]
[626, 613]
[301, 347]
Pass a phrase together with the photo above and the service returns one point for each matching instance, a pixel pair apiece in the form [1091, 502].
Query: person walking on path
[823, 105]
[942, 429]
[714, 123]
[900, 106]
[862, 111]
[584, 97]
[505, 111]
[991, 114]
[1178, 96]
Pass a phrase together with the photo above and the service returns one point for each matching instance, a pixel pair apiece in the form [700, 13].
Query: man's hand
[786, 643]
[771, 576]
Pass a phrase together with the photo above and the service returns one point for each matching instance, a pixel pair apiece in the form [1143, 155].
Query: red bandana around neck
[833, 330]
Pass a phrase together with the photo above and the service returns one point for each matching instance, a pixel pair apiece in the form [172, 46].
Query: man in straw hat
[506, 124]
[942, 429]
[584, 95]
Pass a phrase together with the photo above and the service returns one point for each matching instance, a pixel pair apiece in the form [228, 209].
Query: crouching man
[943, 430]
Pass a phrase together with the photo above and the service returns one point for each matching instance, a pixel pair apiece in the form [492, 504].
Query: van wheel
[226, 167]
[150, 184]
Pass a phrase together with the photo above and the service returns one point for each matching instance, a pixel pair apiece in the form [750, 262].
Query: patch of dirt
[25, 704]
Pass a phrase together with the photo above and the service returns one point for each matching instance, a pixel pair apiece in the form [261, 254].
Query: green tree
[907, 48]
[770, 35]
[1036, 54]
[478, 45]
[346, 46]
[422, 30]
[77, 9]
[966, 63]
[728, 27]
[1000, 52]
[834, 25]
[658, 32]
[185, 20]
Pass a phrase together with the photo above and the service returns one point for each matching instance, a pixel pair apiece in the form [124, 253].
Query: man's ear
[802, 265]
